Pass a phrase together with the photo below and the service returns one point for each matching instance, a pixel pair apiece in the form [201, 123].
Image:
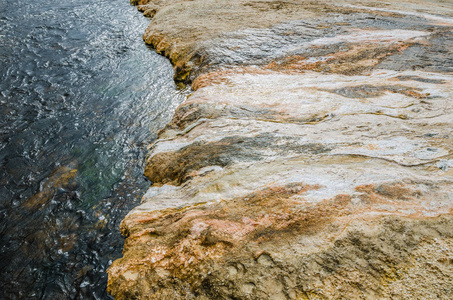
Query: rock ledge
[314, 159]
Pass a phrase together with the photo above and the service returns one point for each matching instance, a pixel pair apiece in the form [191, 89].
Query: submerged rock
[312, 161]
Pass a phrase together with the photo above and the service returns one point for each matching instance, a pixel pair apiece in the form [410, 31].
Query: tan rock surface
[314, 160]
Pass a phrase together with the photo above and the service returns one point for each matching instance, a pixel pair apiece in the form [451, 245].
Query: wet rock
[61, 179]
[312, 160]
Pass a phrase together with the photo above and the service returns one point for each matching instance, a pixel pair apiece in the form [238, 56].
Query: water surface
[80, 98]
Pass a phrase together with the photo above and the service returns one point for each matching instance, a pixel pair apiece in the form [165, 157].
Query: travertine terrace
[314, 159]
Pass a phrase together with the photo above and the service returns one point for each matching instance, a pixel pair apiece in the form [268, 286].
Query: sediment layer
[314, 159]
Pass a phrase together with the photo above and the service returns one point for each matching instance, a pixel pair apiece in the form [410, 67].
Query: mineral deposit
[314, 159]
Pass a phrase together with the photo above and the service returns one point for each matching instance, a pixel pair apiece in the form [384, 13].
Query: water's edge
[81, 96]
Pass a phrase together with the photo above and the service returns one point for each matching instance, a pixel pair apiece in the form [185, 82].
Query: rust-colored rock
[314, 159]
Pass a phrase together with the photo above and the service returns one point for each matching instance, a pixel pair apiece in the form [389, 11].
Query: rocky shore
[314, 159]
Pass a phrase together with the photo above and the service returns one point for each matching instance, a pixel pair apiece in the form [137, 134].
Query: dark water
[80, 98]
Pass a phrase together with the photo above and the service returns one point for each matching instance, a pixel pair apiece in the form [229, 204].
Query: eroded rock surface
[314, 159]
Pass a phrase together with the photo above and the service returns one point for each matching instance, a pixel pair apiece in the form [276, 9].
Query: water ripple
[80, 98]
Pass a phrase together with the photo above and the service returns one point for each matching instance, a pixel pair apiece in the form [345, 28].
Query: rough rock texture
[314, 159]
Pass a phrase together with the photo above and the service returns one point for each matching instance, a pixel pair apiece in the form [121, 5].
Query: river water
[81, 96]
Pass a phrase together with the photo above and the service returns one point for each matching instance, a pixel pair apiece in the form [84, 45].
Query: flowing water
[80, 98]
